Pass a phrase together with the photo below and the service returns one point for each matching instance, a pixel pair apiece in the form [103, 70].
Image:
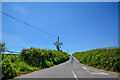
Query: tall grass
[106, 58]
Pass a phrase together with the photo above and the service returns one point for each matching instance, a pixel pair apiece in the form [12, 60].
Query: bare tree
[58, 45]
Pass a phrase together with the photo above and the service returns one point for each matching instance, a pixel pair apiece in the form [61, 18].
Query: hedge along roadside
[105, 58]
[30, 60]
[43, 58]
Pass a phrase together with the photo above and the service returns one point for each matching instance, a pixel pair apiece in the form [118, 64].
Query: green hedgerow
[30, 60]
[106, 58]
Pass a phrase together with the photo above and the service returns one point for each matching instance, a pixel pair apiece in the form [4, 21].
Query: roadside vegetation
[30, 60]
[105, 58]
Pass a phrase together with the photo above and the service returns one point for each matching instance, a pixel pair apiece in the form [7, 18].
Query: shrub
[8, 69]
[30, 60]
[41, 57]
[106, 58]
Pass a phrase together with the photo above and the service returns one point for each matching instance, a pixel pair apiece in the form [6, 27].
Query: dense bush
[12, 65]
[106, 58]
[30, 60]
[43, 58]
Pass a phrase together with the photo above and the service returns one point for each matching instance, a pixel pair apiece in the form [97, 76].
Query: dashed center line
[94, 72]
[74, 75]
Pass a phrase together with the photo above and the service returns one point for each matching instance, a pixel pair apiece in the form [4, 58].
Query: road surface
[72, 69]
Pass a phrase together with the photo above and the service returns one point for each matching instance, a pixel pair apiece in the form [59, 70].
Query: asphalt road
[72, 69]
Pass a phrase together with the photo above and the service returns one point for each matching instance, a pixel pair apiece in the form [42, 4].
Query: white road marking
[100, 73]
[74, 75]
[94, 72]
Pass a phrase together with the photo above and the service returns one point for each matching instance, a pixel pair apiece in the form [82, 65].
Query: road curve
[71, 69]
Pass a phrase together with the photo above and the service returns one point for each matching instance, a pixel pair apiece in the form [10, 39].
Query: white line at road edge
[74, 75]
[87, 69]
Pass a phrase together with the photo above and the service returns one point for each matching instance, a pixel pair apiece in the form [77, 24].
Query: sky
[81, 26]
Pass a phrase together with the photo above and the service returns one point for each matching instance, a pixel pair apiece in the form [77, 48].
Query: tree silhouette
[58, 45]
